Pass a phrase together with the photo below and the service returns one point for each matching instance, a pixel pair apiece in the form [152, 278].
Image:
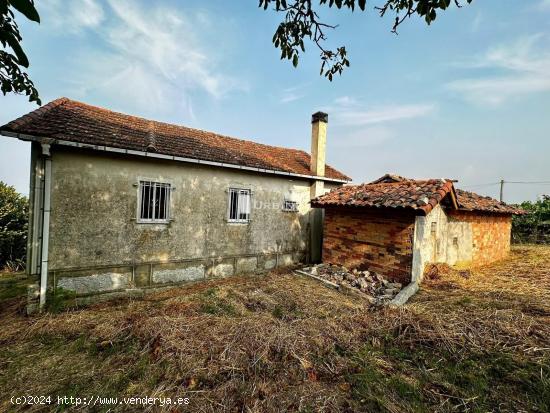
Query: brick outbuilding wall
[490, 235]
[373, 240]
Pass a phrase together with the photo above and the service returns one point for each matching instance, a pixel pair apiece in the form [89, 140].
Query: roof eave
[33, 138]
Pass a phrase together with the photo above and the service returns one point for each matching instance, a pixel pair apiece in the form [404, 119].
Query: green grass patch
[13, 286]
[211, 303]
[418, 378]
[60, 300]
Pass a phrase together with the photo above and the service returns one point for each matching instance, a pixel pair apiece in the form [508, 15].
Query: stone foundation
[96, 284]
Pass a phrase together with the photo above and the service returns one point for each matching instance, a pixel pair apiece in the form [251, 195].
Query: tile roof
[69, 120]
[395, 191]
[470, 201]
[418, 196]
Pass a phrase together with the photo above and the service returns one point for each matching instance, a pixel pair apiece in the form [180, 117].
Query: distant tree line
[14, 218]
[533, 227]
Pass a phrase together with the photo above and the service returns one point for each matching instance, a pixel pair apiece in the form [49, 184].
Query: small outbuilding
[395, 226]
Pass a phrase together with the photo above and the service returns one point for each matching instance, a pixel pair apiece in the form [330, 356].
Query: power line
[527, 182]
[480, 185]
[507, 182]
[502, 182]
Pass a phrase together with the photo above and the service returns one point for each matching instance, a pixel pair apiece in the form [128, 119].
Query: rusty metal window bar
[154, 202]
[239, 205]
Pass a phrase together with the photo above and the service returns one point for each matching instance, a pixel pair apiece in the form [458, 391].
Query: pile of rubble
[375, 288]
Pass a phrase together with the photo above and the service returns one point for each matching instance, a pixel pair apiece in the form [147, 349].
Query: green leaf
[21, 56]
[295, 60]
[3, 7]
[26, 8]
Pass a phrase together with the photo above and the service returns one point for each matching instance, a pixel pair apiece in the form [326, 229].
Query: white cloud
[520, 68]
[346, 101]
[365, 137]
[293, 94]
[359, 126]
[152, 58]
[290, 96]
[383, 114]
[73, 16]
[477, 22]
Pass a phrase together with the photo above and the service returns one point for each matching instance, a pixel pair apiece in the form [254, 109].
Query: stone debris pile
[376, 289]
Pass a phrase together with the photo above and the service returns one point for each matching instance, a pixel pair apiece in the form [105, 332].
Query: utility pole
[501, 188]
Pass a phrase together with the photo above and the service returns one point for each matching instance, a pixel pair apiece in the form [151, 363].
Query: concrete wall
[94, 233]
[373, 240]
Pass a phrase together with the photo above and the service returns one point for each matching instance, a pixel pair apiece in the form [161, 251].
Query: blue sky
[467, 97]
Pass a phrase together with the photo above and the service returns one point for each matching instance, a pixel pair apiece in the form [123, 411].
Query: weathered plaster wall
[430, 241]
[440, 238]
[93, 221]
[374, 240]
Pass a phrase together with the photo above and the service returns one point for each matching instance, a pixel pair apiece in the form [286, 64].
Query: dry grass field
[468, 341]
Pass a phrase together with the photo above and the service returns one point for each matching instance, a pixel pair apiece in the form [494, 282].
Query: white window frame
[168, 204]
[293, 208]
[247, 207]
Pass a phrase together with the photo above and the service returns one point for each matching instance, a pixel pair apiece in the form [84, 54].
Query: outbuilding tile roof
[394, 191]
[419, 196]
[69, 120]
[470, 201]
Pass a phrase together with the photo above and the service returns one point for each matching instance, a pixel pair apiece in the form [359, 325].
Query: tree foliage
[302, 22]
[535, 225]
[13, 78]
[13, 226]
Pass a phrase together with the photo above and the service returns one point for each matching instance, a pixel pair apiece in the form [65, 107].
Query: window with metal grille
[154, 201]
[239, 205]
[290, 206]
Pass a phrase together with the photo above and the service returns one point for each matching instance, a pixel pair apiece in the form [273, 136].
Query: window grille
[239, 205]
[290, 206]
[154, 201]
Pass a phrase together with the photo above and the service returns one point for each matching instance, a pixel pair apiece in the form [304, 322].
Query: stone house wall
[97, 245]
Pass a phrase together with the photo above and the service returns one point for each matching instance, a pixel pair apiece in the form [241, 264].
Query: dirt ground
[468, 341]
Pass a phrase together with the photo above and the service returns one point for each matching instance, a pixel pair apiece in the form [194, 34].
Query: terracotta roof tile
[399, 192]
[66, 119]
[467, 201]
[420, 196]
[470, 201]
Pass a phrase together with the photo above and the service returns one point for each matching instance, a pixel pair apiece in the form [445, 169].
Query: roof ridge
[41, 111]
[65, 100]
[74, 121]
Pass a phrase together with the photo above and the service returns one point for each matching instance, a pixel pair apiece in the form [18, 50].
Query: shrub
[535, 225]
[14, 209]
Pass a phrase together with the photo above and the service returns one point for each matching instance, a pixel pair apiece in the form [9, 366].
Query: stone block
[221, 270]
[95, 283]
[246, 265]
[178, 275]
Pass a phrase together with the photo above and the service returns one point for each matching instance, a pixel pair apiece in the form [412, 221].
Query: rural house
[395, 226]
[121, 203]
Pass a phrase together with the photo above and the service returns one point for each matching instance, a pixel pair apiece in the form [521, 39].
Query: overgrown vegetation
[302, 22]
[469, 341]
[533, 227]
[13, 78]
[13, 228]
